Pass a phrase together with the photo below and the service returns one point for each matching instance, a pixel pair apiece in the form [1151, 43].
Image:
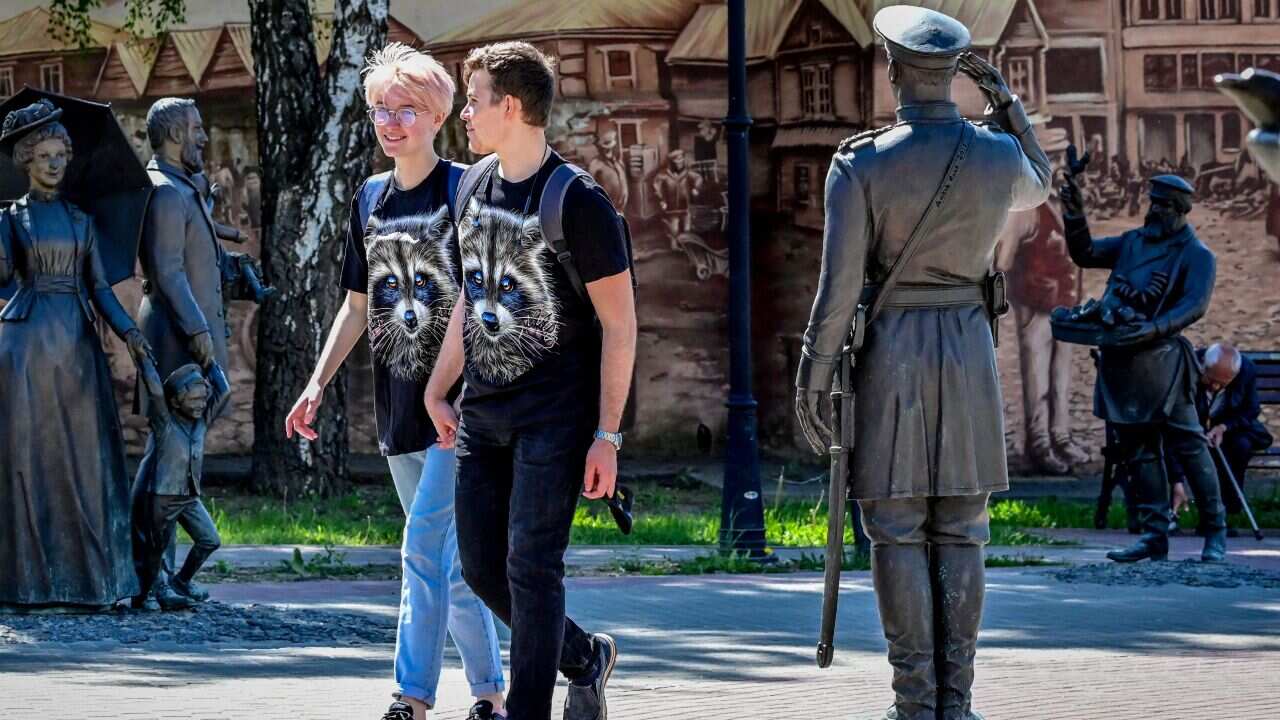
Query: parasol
[105, 178]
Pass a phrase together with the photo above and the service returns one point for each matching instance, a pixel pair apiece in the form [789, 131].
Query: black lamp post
[742, 507]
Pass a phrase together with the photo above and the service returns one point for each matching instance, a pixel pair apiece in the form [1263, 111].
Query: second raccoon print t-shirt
[532, 344]
[405, 261]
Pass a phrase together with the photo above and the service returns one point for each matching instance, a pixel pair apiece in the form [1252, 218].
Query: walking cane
[1244, 502]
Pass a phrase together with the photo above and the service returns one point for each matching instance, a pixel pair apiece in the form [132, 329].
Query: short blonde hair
[424, 79]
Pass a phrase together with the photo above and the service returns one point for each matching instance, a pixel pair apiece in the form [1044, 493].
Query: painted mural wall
[643, 91]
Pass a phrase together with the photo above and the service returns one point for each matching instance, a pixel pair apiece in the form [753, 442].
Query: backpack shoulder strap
[551, 218]
[469, 181]
[374, 189]
[456, 171]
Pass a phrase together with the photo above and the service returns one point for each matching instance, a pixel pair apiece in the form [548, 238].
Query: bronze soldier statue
[1161, 280]
[913, 211]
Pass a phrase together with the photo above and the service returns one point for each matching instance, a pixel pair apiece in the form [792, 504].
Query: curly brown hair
[522, 71]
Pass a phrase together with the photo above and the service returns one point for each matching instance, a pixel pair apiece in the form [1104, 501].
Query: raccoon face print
[512, 315]
[412, 288]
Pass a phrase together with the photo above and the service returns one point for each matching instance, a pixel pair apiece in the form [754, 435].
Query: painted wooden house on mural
[1084, 74]
[1172, 51]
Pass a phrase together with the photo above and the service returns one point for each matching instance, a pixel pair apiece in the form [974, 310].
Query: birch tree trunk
[315, 147]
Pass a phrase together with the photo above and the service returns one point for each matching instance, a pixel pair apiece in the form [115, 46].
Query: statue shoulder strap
[865, 137]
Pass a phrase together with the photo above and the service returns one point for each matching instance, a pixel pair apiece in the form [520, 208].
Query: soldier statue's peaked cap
[1171, 187]
[921, 37]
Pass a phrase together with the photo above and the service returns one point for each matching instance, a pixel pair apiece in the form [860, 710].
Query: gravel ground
[211, 622]
[1191, 573]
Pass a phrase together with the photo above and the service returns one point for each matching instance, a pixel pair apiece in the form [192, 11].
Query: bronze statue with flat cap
[1161, 280]
[907, 294]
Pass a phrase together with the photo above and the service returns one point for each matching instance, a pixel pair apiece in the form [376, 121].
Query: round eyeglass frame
[405, 117]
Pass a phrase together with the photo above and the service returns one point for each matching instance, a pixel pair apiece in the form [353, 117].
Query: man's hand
[303, 413]
[816, 428]
[1072, 200]
[445, 418]
[1179, 498]
[1136, 333]
[201, 348]
[602, 470]
[1216, 434]
[988, 78]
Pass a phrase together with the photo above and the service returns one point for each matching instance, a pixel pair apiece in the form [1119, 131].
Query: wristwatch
[614, 439]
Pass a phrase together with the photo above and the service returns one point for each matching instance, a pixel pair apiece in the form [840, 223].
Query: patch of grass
[714, 564]
[682, 515]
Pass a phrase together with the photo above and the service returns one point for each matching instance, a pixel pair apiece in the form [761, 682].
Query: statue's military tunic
[183, 264]
[928, 410]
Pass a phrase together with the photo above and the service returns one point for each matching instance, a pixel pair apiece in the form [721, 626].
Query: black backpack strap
[551, 217]
[373, 191]
[456, 171]
[469, 181]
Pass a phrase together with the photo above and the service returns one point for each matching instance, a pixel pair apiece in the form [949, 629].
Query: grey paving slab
[720, 646]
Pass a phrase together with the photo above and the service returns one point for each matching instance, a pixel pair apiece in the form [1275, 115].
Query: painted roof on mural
[522, 18]
[703, 38]
[28, 32]
[986, 19]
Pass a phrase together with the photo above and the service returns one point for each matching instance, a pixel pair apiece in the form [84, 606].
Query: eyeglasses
[405, 117]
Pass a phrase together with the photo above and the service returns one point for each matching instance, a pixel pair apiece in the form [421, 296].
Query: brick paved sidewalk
[715, 646]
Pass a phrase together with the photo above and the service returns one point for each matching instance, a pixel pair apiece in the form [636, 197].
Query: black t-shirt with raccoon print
[532, 345]
[405, 261]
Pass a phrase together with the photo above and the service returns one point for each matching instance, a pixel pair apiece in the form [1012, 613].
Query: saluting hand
[988, 78]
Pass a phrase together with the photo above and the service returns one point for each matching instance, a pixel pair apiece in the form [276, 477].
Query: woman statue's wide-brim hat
[23, 121]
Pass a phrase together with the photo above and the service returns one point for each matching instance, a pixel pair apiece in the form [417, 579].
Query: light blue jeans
[433, 596]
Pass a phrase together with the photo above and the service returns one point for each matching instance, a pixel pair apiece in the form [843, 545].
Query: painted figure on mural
[64, 500]
[609, 170]
[676, 186]
[922, 202]
[1033, 251]
[1161, 280]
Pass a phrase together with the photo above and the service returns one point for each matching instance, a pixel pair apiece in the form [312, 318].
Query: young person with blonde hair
[401, 282]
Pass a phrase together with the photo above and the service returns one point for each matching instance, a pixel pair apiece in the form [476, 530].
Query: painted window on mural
[1268, 62]
[1262, 8]
[1232, 131]
[1212, 64]
[815, 91]
[1190, 71]
[620, 69]
[1086, 74]
[51, 78]
[1160, 73]
[1219, 9]
[802, 185]
[1155, 10]
[1243, 61]
[6, 83]
[1020, 74]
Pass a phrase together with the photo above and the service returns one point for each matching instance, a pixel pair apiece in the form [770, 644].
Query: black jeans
[516, 495]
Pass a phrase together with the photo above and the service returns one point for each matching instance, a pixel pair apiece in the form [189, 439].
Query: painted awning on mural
[827, 137]
[539, 18]
[704, 38]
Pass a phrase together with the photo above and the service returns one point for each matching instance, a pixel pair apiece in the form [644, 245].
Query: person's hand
[139, 348]
[1179, 497]
[1136, 333]
[444, 417]
[1216, 433]
[602, 470]
[1072, 200]
[988, 79]
[303, 413]
[201, 348]
[816, 428]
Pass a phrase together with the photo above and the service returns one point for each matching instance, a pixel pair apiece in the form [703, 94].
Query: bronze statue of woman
[64, 489]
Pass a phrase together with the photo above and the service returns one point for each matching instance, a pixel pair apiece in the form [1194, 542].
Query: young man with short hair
[545, 384]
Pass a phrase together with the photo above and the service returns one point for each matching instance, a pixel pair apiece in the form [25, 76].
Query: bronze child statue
[166, 491]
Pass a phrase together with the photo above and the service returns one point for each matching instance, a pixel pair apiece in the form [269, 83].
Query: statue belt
[56, 284]
[927, 296]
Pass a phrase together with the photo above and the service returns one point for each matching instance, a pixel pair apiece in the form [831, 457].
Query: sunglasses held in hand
[620, 507]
